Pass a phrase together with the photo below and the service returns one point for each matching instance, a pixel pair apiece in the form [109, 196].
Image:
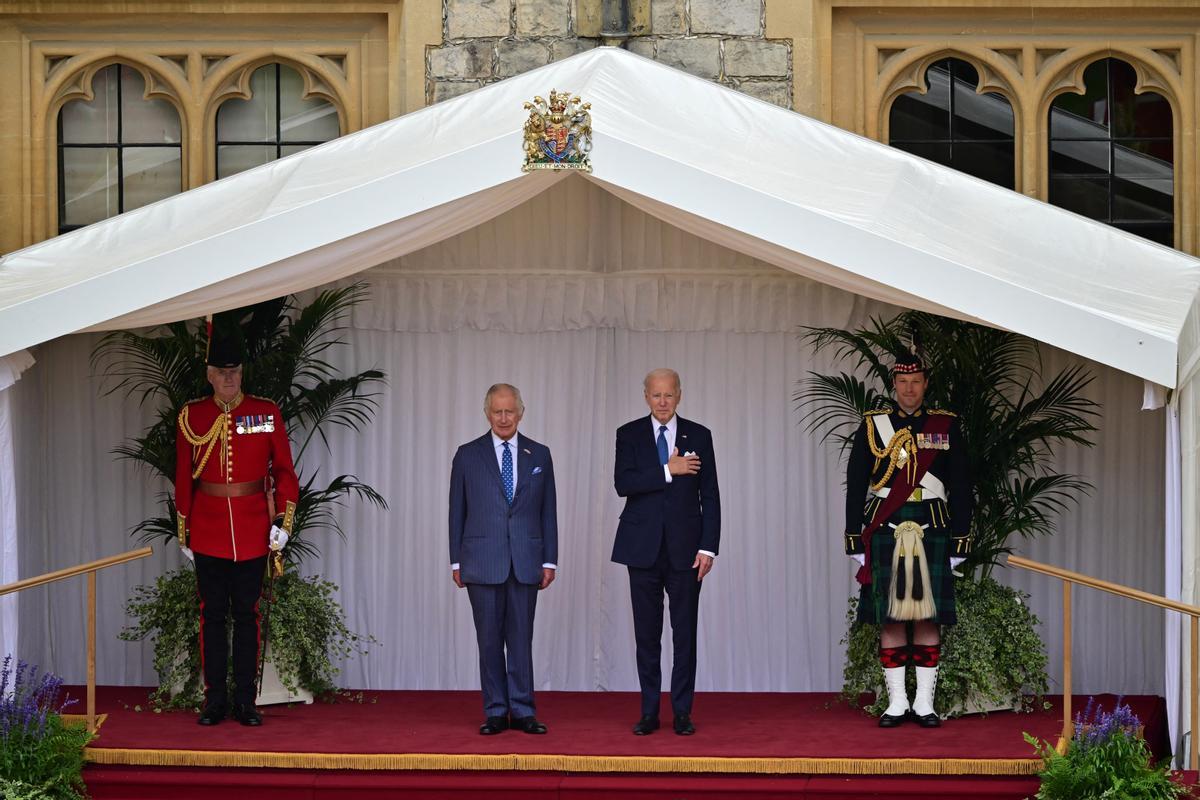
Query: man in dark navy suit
[503, 549]
[668, 536]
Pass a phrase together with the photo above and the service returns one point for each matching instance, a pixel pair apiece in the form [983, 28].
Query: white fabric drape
[574, 314]
[11, 368]
[1173, 574]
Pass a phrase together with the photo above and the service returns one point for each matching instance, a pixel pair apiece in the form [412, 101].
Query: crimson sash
[899, 490]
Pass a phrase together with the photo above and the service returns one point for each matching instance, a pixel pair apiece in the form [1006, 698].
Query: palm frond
[1011, 420]
[288, 350]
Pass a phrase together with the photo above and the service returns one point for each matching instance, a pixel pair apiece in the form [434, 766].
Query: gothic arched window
[1112, 155]
[954, 125]
[117, 151]
[275, 122]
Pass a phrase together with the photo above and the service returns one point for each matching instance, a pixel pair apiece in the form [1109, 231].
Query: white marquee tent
[715, 170]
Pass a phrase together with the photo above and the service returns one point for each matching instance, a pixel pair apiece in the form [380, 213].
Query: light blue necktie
[506, 474]
[663, 455]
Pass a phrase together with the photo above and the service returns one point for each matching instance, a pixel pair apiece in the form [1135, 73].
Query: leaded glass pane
[288, 149]
[235, 158]
[1112, 154]
[303, 120]
[1086, 196]
[89, 181]
[954, 125]
[145, 121]
[93, 121]
[150, 174]
[251, 120]
[991, 161]
[1079, 157]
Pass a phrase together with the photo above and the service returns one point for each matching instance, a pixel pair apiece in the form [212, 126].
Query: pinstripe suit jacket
[486, 534]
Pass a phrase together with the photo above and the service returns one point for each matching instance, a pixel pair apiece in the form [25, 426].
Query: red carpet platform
[424, 744]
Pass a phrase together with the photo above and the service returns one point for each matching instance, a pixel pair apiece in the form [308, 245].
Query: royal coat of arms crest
[558, 133]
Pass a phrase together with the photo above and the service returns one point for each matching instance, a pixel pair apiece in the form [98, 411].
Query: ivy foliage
[993, 657]
[308, 636]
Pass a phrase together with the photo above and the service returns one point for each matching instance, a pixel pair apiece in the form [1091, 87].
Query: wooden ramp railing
[1069, 579]
[91, 568]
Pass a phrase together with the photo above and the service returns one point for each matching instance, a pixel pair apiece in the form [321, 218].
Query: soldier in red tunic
[235, 493]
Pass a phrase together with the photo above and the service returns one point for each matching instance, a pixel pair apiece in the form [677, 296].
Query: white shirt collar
[497, 442]
[672, 424]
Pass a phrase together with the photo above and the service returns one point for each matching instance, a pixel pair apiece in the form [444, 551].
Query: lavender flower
[1095, 727]
[27, 700]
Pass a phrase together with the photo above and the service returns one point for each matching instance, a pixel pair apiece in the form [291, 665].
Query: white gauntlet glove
[954, 562]
[187, 553]
[279, 538]
[860, 558]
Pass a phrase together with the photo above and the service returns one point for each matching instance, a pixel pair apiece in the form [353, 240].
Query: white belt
[931, 488]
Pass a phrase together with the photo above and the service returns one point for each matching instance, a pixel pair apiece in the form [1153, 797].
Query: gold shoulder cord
[218, 431]
[902, 442]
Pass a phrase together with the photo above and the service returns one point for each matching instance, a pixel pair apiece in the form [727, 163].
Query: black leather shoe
[889, 721]
[684, 726]
[528, 725]
[247, 715]
[211, 715]
[928, 720]
[493, 725]
[645, 726]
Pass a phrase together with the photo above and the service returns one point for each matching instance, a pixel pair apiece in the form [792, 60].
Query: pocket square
[536, 470]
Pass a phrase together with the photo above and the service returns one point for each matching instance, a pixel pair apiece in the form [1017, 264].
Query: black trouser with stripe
[226, 587]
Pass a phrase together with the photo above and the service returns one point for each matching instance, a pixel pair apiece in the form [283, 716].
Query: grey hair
[497, 388]
[662, 372]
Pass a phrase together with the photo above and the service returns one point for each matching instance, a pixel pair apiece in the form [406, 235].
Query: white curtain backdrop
[11, 368]
[573, 296]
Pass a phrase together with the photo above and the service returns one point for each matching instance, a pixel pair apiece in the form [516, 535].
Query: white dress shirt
[672, 428]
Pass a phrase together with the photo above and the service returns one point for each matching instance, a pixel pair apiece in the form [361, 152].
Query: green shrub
[307, 634]
[41, 756]
[1106, 759]
[993, 656]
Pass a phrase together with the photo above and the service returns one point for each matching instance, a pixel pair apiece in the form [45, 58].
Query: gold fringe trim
[564, 763]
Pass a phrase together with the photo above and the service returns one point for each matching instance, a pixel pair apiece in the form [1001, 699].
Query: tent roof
[792, 191]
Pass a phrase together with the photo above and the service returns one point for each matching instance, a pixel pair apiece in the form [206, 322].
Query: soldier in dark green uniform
[908, 523]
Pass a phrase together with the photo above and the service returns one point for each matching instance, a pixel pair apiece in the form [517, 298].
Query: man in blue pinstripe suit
[504, 549]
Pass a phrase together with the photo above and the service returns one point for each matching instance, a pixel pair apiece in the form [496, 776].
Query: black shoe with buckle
[248, 715]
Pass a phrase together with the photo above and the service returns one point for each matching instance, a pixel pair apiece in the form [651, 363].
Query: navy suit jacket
[487, 536]
[687, 510]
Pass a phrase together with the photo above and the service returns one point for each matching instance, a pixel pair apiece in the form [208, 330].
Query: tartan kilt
[873, 599]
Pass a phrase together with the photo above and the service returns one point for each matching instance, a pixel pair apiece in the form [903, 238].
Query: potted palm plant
[1012, 417]
[288, 345]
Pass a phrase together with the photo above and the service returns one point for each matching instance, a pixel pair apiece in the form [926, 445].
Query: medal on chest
[255, 423]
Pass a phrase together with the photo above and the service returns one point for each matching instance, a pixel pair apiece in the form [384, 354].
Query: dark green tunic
[948, 521]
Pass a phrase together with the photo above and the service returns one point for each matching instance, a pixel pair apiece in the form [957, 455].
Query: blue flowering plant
[41, 755]
[1106, 759]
